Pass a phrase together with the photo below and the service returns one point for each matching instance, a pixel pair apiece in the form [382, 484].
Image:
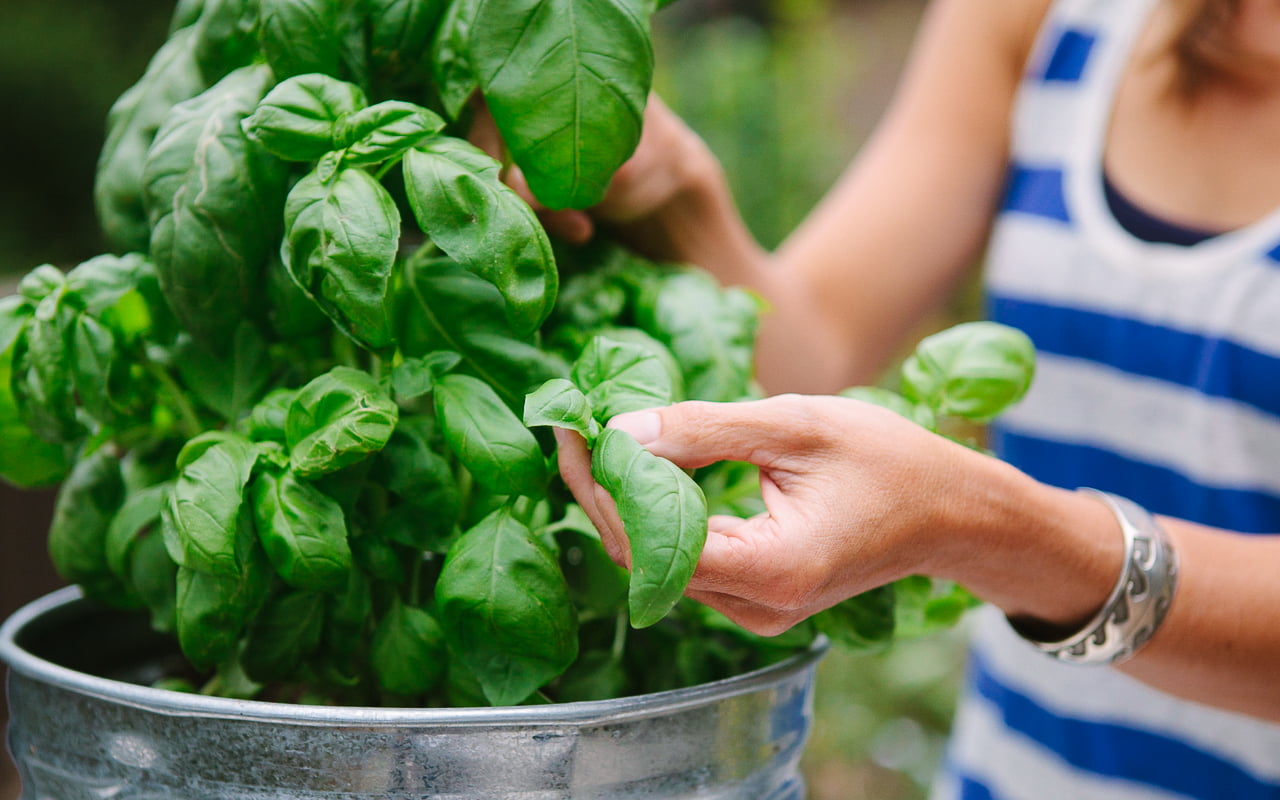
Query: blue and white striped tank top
[1158, 379]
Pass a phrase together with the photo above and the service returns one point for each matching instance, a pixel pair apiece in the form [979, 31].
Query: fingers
[575, 468]
[766, 433]
[573, 226]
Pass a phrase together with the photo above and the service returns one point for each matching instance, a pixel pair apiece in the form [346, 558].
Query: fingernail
[644, 426]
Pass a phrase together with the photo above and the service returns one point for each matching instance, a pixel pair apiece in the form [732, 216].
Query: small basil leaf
[974, 370]
[561, 404]
[622, 376]
[205, 504]
[412, 469]
[864, 621]
[139, 513]
[214, 609]
[340, 245]
[43, 380]
[336, 420]
[298, 119]
[266, 420]
[303, 532]
[665, 516]
[461, 203]
[922, 415]
[26, 460]
[385, 131]
[224, 36]
[409, 655]
[505, 610]
[232, 384]
[283, 635]
[451, 70]
[490, 441]
[301, 36]
[401, 32]
[87, 502]
[153, 577]
[415, 377]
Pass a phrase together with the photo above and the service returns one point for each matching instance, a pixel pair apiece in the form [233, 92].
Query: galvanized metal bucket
[76, 734]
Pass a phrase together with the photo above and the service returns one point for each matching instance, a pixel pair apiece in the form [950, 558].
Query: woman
[1119, 163]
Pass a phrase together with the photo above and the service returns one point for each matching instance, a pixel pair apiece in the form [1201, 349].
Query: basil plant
[301, 414]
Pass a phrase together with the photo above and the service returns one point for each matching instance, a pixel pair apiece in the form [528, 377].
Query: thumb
[761, 432]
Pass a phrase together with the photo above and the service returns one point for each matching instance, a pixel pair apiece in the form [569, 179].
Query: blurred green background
[784, 91]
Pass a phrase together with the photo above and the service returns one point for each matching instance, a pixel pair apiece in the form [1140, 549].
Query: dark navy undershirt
[1146, 227]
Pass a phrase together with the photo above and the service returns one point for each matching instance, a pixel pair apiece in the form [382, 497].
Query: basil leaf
[385, 131]
[505, 610]
[139, 513]
[297, 120]
[123, 292]
[566, 81]
[340, 245]
[411, 468]
[415, 377]
[409, 654]
[924, 605]
[665, 516]
[153, 577]
[561, 404]
[214, 199]
[224, 36]
[709, 330]
[595, 582]
[211, 535]
[863, 621]
[232, 384]
[461, 203]
[303, 532]
[974, 370]
[266, 420]
[451, 70]
[490, 441]
[26, 460]
[214, 609]
[622, 376]
[301, 36]
[400, 34]
[336, 420]
[43, 380]
[597, 675]
[445, 307]
[283, 635]
[171, 77]
[82, 514]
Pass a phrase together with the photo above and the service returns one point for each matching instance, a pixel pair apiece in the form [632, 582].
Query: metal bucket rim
[164, 701]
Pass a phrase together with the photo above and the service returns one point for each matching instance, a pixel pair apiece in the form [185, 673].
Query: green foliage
[299, 417]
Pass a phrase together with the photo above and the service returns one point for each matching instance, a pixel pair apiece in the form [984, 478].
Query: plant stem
[187, 416]
[620, 635]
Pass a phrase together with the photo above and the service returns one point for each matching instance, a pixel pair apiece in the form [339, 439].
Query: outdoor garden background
[785, 91]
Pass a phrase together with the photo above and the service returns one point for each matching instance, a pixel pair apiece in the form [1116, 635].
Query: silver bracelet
[1138, 603]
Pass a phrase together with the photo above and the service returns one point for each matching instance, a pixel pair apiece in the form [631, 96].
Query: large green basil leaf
[561, 404]
[664, 514]
[461, 203]
[171, 77]
[451, 70]
[26, 460]
[297, 120]
[409, 653]
[973, 370]
[214, 200]
[283, 635]
[209, 531]
[863, 621]
[490, 441]
[505, 609]
[400, 34]
[303, 531]
[567, 82]
[709, 330]
[622, 376]
[82, 514]
[340, 245]
[301, 36]
[446, 307]
[214, 609]
[337, 419]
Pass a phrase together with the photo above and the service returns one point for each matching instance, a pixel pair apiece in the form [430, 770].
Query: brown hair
[1205, 47]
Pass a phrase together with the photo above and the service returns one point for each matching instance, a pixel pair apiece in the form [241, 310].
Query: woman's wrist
[1047, 557]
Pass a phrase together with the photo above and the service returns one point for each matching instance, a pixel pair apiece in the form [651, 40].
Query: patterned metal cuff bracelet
[1138, 603]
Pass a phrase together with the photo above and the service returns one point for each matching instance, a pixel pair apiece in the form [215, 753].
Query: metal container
[84, 726]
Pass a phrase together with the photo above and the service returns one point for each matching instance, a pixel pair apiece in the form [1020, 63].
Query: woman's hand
[855, 497]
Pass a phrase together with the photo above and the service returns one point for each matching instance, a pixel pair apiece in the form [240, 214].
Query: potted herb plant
[300, 419]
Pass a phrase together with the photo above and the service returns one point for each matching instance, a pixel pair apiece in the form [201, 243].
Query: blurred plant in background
[784, 91]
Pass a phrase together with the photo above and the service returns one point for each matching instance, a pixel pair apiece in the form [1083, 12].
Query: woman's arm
[858, 496]
[890, 241]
